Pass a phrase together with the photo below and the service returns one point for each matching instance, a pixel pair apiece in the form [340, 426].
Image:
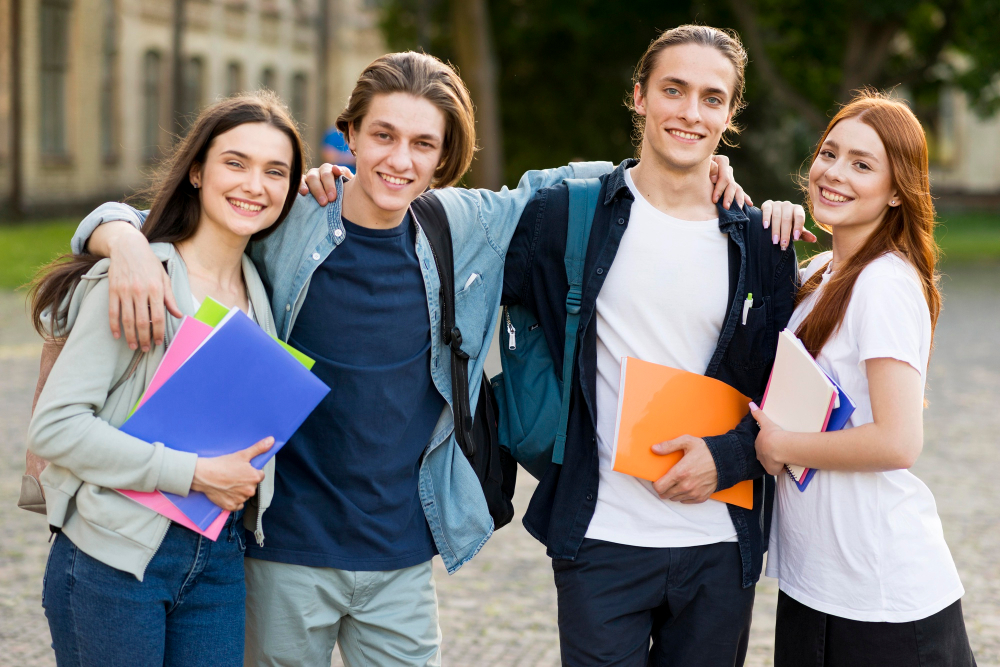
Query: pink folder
[157, 502]
[189, 336]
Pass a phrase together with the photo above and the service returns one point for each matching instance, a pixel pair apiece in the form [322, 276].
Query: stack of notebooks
[801, 397]
[222, 385]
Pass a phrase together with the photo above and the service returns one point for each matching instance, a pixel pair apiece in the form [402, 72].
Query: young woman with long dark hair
[866, 577]
[123, 584]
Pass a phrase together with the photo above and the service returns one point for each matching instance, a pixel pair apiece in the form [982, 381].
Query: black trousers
[688, 601]
[805, 637]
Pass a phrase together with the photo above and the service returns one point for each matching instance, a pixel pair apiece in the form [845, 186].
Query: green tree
[566, 68]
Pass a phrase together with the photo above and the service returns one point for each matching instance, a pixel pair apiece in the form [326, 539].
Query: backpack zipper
[511, 332]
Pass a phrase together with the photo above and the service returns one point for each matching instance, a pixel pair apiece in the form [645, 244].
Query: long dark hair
[176, 206]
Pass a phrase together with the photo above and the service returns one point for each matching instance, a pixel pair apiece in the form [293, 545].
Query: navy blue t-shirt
[345, 492]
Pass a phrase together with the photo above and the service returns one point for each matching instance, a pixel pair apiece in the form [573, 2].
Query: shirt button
[288, 307]
[316, 256]
[338, 232]
[600, 271]
[590, 496]
[621, 221]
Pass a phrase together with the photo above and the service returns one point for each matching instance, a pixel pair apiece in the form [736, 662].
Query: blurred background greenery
[964, 237]
[549, 78]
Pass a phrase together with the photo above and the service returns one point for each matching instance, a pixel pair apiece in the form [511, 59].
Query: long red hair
[907, 229]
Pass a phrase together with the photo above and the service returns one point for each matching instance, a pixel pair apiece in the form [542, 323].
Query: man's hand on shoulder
[694, 478]
[139, 287]
[726, 186]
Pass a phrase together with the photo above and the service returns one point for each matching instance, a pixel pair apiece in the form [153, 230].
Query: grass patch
[969, 237]
[26, 247]
[964, 237]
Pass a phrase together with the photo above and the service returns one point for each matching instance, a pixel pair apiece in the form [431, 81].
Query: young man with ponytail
[864, 572]
[657, 573]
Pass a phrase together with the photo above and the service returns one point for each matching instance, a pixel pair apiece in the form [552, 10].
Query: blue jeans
[188, 610]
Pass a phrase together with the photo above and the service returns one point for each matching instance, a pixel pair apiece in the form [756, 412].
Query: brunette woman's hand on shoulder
[139, 286]
[321, 182]
[230, 480]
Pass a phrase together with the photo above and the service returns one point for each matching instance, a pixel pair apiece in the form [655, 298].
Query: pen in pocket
[747, 305]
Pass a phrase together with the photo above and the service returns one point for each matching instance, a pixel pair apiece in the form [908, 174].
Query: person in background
[337, 151]
[124, 585]
[864, 573]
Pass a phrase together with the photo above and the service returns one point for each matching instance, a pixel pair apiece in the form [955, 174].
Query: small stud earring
[892, 203]
[195, 185]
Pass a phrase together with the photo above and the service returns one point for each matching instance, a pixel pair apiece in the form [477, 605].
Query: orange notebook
[658, 403]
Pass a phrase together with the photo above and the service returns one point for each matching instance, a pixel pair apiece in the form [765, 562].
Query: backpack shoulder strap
[583, 197]
[430, 216]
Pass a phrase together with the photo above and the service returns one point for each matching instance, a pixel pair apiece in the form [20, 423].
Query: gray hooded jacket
[75, 426]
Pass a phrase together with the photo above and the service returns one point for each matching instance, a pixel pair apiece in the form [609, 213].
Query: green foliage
[971, 236]
[26, 247]
[566, 68]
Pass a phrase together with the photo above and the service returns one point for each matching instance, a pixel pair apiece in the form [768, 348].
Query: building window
[152, 104]
[300, 97]
[234, 78]
[55, 65]
[269, 79]
[194, 86]
[109, 63]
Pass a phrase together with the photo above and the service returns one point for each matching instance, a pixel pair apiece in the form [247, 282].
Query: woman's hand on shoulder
[321, 182]
[786, 221]
[230, 480]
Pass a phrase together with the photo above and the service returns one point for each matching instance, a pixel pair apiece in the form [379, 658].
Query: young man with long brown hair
[657, 573]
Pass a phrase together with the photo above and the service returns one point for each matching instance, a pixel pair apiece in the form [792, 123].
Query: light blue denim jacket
[482, 223]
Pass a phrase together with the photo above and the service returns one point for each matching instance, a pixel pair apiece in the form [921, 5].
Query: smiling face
[399, 145]
[686, 105]
[850, 183]
[245, 178]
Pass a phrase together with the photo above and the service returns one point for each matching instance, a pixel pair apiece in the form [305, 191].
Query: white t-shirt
[860, 545]
[664, 300]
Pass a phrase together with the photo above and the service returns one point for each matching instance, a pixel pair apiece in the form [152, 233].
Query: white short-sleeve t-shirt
[664, 300]
[858, 545]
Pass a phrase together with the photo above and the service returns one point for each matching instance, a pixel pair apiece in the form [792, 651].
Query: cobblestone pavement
[500, 608]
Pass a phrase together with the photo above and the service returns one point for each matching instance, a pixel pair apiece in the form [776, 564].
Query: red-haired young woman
[866, 577]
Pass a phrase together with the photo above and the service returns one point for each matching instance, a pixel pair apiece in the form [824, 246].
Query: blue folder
[238, 388]
[838, 420]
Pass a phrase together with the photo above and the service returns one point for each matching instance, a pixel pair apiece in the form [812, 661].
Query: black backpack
[475, 431]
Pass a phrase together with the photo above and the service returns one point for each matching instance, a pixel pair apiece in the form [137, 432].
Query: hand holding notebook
[801, 397]
[658, 403]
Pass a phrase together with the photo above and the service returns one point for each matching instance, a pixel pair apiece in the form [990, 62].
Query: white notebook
[799, 395]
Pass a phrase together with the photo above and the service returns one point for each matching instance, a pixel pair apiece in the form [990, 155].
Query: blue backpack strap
[583, 194]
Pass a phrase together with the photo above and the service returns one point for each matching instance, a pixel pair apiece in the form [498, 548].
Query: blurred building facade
[966, 150]
[87, 87]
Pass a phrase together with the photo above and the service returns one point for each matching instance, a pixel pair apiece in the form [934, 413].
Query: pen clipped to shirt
[747, 305]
